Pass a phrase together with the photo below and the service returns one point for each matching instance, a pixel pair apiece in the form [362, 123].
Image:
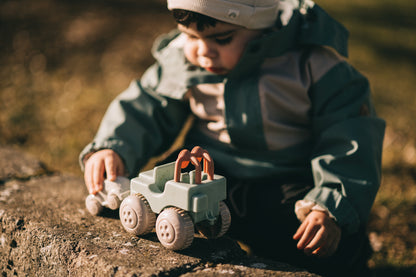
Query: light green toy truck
[181, 200]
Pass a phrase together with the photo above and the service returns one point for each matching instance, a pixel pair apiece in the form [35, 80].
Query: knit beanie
[252, 14]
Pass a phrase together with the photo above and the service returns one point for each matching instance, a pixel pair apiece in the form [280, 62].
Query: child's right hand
[100, 164]
[318, 235]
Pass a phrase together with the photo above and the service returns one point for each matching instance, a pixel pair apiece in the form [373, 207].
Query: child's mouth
[216, 70]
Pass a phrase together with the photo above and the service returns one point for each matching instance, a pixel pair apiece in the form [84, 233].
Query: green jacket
[326, 132]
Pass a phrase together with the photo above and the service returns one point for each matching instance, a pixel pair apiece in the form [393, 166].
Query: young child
[286, 119]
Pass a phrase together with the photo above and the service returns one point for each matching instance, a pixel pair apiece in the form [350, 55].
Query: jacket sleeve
[346, 159]
[139, 123]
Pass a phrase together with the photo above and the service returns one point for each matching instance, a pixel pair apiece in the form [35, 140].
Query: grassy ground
[63, 61]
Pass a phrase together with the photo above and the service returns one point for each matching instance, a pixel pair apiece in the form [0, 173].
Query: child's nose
[206, 49]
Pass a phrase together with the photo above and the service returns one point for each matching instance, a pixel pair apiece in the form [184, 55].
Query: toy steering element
[200, 153]
[195, 156]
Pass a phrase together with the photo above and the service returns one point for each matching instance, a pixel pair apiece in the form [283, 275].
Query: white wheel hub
[166, 231]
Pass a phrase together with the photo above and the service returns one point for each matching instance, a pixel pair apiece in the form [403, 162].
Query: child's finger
[329, 245]
[327, 249]
[300, 231]
[120, 170]
[88, 177]
[331, 242]
[98, 177]
[317, 245]
[307, 236]
[110, 168]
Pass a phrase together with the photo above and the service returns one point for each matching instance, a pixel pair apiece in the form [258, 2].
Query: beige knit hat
[252, 14]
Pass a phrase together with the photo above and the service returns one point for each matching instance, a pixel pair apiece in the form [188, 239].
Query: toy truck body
[161, 191]
[181, 201]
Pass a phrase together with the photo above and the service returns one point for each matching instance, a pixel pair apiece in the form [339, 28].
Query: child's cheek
[231, 58]
[190, 53]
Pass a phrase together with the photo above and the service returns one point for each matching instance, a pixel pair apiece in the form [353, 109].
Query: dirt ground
[45, 230]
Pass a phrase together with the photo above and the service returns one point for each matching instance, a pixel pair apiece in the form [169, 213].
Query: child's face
[217, 49]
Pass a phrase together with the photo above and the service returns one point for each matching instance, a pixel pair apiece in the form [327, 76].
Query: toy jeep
[111, 195]
[181, 200]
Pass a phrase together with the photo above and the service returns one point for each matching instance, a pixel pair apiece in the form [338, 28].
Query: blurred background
[63, 61]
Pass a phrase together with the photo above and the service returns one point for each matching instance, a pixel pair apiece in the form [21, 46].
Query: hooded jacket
[294, 111]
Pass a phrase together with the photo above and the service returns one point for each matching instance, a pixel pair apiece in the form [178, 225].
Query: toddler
[287, 120]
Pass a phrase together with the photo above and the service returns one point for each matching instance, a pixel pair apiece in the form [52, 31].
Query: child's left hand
[318, 235]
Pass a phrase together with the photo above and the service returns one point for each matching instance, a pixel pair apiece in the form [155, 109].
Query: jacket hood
[314, 26]
[305, 27]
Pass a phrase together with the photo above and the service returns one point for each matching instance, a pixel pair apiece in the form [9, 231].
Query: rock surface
[46, 231]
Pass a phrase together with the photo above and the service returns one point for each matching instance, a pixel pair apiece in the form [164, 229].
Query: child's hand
[318, 235]
[101, 162]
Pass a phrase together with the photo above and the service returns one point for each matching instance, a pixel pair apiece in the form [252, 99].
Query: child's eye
[191, 37]
[223, 40]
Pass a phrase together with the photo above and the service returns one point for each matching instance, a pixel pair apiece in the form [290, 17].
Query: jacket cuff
[304, 207]
[337, 205]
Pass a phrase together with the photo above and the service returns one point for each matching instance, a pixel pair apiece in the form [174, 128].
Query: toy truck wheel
[93, 205]
[136, 215]
[220, 227]
[174, 229]
[113, 202]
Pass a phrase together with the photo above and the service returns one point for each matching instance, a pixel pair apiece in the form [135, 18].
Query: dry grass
[63, 61]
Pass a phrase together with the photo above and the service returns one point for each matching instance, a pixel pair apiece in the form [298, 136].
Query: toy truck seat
[156, 179]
